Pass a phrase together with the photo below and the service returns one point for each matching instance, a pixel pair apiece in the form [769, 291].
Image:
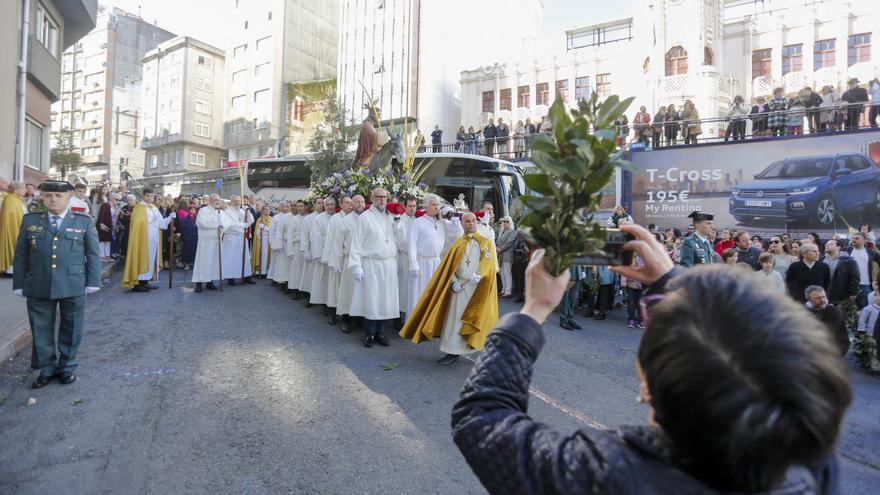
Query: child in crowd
[633, 296]
[768, 273]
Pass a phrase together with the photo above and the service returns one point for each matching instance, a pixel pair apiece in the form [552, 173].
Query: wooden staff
[243, 242]
[220, 253]
[171, 255]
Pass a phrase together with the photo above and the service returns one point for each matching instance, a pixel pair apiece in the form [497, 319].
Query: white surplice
[320, 273]
[451, 341]
[374, 250]
[339, 257]
[206, 267]
[235, 223]
[403, 263]
[261, 233]
[426, 239]
[292, 251]
[279, 267]
[330, 245]
[155, 223]
[305, 279]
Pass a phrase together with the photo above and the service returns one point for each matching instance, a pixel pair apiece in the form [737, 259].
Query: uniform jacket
[695, 252]
[59, 266]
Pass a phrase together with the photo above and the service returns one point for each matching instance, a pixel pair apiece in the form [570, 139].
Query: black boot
[295, 295]
[332, 319]
[274, 284]
[287, 291]
[248, 280]
[326, 311]
[198, 286]
[211, 286]
[231, 282]
[346, 324]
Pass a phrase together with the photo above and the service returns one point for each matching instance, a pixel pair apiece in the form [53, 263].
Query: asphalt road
[248, 392]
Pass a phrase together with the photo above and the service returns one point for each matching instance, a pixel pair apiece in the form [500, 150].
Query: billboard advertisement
[822, 183]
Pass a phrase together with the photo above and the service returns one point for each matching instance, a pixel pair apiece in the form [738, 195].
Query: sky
[206, 19]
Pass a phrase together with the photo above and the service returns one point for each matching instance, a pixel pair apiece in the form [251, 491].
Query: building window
[203, 107]
[581, 88]
[603, 85]
[196, 158]
[676, 61]
[562, 90]
[177, 154]
[238, 76]
[792, 58]
[202, 130]
[205, 61]
[858, 49]
[261, 96]
[543, 91]
[621, 31]
[239, 50]
[761, 63]
[505, 97]
[708, 56]
[488, 101]
[34, 145]
[261, 43]
[823, 54]
[245, 24]
[299, 109]
[203, 83]
[646, 65]
[154, 161]
[238, 103]
[47, 31]
[269, 15]
[523, 96]
[175, 80]
[261, 69]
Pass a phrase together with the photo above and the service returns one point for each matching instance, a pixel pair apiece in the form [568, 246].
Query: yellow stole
[481, 314]
[257, 246]
[137, 260]
[11, 215]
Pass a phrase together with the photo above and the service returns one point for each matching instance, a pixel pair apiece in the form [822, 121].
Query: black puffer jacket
[513, 454]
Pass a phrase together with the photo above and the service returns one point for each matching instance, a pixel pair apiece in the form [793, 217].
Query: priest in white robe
[155, 223]
[403, 278]
[320, 272]
[291, 248]
[331, 245]
[236, 220]
[279, 268]
[373, 263]
[206, 268]
[426, 238]
[339, 258]
[305, 284]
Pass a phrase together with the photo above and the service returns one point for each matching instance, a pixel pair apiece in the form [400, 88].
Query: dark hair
[147, 190]
[736, 415]
[727, 254]
[765, 257]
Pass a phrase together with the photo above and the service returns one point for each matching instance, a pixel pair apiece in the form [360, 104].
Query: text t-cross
[812, 189]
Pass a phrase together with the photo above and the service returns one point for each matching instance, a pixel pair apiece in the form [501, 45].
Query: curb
[10, 349]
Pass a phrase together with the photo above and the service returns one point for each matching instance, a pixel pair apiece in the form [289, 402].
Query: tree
[65, 156]
[331, 143]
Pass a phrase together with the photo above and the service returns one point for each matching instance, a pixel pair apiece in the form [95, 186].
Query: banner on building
[808, 183]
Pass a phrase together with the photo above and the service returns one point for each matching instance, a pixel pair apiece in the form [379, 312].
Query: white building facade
[670, 51]
[183, 98]
[408, 54]
[273, 43]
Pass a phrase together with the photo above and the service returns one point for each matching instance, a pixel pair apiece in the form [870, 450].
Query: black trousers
[519, 278]
[853, 114]
[606, 298]
[373, 327]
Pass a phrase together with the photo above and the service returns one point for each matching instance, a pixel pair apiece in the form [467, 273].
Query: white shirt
[61, 216]
[861, 257]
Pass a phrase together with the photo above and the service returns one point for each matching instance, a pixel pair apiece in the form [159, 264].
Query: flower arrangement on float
[353, 182]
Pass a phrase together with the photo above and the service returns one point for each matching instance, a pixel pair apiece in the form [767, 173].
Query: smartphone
[614, 254]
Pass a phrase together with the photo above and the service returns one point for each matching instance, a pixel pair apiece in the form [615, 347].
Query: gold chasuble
[137, 260]
[257, 261]
[11, 214]
[481, 314]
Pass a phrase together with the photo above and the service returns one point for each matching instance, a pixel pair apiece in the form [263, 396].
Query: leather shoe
[273, 284]
[369, 341]
[566, 325]
[198, 287]
[449, 359]
[309, 305]
[295, 295]
[152, 286]
[575, 325]
[599, 316]
[41, 381]
[346, 328]
[249, 280]
[140, 288]
[382, 340]
[66, 378]
[231, 282]
[332, 319]
[211, 286]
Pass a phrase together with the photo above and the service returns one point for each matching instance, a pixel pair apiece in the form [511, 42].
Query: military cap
[56, 186]
[699, 216]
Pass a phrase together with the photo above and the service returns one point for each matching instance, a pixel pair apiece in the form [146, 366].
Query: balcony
[243, 132]
[163, 140]
[863, 71]
[826, 76]
[762, 86]
[794, 81]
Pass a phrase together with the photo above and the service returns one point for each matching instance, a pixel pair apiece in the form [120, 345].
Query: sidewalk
[15, 332]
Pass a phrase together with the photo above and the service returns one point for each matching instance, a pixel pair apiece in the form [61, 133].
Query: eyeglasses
[505, 221]
[645, 303]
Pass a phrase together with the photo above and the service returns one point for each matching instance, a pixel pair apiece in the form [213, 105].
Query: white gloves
[358, 273]
[456, 287]
[337, 270]
[475, 279]
[92, 290]
[445, 210]
[173, 215]
[18, 292]
[414, 273]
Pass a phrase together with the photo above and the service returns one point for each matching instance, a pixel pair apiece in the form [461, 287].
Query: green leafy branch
[575, 164]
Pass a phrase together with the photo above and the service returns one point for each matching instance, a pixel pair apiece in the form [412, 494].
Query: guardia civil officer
[57, 262]
[696, 249]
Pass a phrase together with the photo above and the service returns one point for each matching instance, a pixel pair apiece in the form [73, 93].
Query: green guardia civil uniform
[696, 251]
[53, 267]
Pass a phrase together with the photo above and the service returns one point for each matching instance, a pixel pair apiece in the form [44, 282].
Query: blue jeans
[633, 296]
[568, 302]
[862, 299]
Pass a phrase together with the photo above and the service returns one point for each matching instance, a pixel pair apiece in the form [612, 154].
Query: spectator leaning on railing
[737, 113]
[673, 124]
[758, 114]
[725, 413]
[777, 121]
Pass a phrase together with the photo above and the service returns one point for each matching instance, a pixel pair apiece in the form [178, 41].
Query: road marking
[126, 376]
[558, 405]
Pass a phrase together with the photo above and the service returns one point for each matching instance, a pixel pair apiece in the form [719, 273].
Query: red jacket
[720, 246]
